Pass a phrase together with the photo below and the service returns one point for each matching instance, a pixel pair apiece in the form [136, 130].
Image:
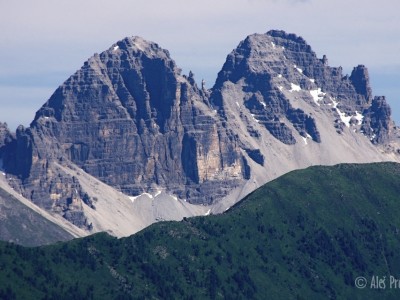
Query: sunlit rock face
[131, 119]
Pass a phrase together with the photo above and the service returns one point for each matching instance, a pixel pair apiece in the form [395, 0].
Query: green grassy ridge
[305, 235]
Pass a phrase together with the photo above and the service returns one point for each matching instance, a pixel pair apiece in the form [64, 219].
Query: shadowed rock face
[129, 118]
[360, 79]
[378, 124]
[5, 134]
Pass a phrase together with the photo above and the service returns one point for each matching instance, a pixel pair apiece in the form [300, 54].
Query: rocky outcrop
[253, 66]
[360, 79]
[131, 119]
[28, 160]
[275, 70]
[377, 124]
[5, 135]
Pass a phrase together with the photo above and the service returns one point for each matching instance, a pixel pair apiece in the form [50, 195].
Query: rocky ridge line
[131, 119]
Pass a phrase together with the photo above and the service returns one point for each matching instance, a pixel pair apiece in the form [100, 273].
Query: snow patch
[346, 119]
[279, 75]
[359, 117]
[208, 212]
[280, 88]
[115, 48]
[273, 45]
[237, 103]
[298, 69]
[294, 88]
[258, 121]
[305, 138]
[317, 95]
[312, 80]
[157, 193]
[134, 198]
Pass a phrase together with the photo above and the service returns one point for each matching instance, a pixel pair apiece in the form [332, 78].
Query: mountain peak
[271, 53]
[137, 44]
[276, 41]
[360, 80]
[286, 36]
[128, 118]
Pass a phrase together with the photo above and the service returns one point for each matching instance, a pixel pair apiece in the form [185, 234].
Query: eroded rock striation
[275, 69]
[131, 119]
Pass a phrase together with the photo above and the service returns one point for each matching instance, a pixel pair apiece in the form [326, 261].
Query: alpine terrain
[306, 235]
[129, 140]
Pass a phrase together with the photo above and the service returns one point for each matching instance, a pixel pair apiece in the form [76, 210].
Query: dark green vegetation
[306, 235]
[21, 225]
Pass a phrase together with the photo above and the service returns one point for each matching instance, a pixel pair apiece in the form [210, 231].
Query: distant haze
[44, 42]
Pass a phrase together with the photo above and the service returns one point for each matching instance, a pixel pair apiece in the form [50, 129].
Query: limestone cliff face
[377, 123]
[275, 69]
[291, 109]
[131, 119]
[253, 66]
[28, 160]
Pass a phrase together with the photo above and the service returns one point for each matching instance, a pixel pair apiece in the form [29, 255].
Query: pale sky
[43, 42]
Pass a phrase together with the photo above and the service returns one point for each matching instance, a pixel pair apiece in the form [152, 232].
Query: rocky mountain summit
[130, 119]
[129, 129]
[276, 70]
